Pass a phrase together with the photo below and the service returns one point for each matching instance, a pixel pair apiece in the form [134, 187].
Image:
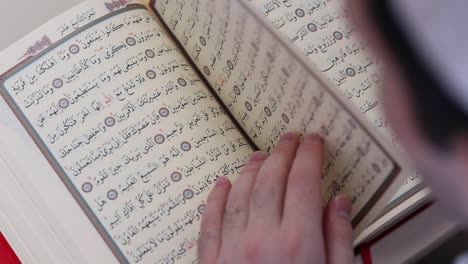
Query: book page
[321, 30]
[270, 92]
[50, 226]
[127, 124]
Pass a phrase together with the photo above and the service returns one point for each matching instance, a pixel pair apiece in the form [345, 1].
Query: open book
[139, 107]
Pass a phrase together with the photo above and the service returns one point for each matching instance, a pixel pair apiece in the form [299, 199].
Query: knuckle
[232, 216]
[342, 234]
[252, 250]
[251, 167]
[292, 245]
[307, 151]
[233, 211]
[284, 247]
[310, 151]
[208, 234]
[309, 163]
[262, 195]
[224, 260]
[282, 149]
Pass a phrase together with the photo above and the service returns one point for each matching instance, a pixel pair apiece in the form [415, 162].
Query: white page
[126, 179]
[322, 32]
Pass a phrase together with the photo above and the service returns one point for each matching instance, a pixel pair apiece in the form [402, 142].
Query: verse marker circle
[112, 195]
[285, 118]
[350, 72]
[130, 41]
[151, 74]
[202, 41]
[64, 103]
[206, 70]
[182, 82]
[185, 146]
[109, 121]
[248, 106]
[159, 139]
[237, 90]
[338, 35]
[230, 65]
[267, 111]
[164, 112]
[150, 54]
[312, 27]
[176, 176]
[74, 49]
[188, 194]
[300, 13]
[201, 209]
[57, 83]
[87, 187]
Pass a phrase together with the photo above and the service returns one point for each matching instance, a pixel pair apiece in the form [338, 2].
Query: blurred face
[445, 172]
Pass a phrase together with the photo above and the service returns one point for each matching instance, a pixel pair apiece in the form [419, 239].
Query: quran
[134, 109]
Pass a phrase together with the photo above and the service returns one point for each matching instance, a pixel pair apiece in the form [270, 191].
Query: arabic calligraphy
[269, 92]
[133, 128]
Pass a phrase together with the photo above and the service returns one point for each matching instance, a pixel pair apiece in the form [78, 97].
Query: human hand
[273, 212]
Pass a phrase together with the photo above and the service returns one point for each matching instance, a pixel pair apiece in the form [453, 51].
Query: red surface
[7, 255]
[366, 255]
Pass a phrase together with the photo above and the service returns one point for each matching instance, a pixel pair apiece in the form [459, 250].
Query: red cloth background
[7, 255]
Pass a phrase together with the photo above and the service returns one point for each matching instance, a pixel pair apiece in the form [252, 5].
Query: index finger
[303, 201]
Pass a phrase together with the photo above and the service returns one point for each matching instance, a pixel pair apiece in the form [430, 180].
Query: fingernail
[288, 137]
[257, 156]
[343, 206]
[313, 137]
[222, 182]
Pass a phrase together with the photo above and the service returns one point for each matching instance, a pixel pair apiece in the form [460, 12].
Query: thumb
[338, 231]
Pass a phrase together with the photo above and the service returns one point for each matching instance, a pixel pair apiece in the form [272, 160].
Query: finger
[237, 208]
[212, 221]
[338, 231]
[303, 201]
[266, 201]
